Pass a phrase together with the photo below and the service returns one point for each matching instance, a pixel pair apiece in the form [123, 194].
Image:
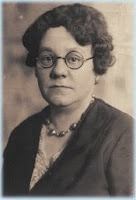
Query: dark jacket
[97, 160]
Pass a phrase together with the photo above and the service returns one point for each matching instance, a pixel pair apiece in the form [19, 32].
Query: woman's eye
[74, 59]
[47, 58]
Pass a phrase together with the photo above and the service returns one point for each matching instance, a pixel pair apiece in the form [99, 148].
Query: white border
[134, 101]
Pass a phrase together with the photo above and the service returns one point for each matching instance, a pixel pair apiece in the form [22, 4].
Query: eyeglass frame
[64, 58]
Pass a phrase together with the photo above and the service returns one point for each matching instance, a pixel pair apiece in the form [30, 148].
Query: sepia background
[21, 97]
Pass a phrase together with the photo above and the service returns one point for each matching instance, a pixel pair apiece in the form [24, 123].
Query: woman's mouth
[60, 86]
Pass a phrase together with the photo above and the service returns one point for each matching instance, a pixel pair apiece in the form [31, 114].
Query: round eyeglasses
[73, 60]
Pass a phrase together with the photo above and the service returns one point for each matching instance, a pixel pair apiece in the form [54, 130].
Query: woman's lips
[60, 86]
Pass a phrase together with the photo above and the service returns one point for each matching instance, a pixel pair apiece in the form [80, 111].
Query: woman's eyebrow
[45, 49]
[67, 50]
[78, 49]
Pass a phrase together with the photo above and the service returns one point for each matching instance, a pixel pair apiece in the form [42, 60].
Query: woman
[78, 144]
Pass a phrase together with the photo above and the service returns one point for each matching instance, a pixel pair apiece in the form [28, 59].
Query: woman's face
[60, 85]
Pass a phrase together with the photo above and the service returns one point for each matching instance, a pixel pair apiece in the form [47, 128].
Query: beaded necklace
[54, 132]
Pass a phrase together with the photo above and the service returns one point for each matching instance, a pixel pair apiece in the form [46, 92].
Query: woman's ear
[96, 80]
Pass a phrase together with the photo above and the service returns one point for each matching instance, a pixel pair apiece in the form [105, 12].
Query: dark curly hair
[86, 24]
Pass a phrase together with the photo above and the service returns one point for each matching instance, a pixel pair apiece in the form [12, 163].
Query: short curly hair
[86, 24]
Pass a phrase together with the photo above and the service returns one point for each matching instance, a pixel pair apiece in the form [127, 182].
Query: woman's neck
[63, 117]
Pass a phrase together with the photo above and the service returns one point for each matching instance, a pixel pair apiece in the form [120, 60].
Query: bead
[47, 122]
[73, 126]
[52, 132]
[68, 131]
[62, 133]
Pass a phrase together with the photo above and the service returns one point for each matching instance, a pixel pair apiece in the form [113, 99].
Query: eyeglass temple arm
[89, 58]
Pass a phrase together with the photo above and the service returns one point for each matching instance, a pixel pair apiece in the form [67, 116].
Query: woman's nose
[60, 68]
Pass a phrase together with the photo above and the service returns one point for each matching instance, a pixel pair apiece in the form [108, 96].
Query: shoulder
[119, 132]
[116, 117]
[114, 126]
[24, 131]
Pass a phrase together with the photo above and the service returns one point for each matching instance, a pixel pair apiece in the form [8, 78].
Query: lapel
[26, 152]
[72, 162]
[31, 147]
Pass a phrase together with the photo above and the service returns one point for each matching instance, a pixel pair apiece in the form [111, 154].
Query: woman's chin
[60, 102]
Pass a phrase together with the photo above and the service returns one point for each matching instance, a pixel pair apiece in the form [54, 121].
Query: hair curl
[86, 24]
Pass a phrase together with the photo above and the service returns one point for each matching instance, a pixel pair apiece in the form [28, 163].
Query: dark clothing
[97, 160]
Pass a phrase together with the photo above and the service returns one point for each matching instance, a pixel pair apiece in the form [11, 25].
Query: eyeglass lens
[48, 59]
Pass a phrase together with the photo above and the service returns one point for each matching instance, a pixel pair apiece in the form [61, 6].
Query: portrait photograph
[68, 99]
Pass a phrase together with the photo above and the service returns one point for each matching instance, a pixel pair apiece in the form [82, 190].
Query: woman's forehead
[58, 39]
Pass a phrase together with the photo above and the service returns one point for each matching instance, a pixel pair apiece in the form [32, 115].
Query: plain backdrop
[21, 96]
